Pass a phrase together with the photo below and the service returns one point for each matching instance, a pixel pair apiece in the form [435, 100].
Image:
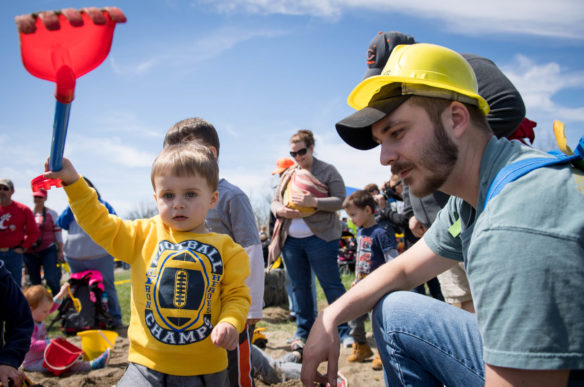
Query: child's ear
[154, 196]
[214, 200]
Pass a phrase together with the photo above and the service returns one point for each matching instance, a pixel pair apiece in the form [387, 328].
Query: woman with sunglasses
[305, 205]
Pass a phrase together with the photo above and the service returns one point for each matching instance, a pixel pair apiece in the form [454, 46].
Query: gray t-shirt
[233, 216]
[524, 256]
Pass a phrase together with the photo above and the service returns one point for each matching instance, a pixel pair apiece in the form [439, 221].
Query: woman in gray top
[310, 229]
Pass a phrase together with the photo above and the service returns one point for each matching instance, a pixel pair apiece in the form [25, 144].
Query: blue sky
[259, 70]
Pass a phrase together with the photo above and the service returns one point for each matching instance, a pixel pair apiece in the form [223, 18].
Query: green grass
[123, 291]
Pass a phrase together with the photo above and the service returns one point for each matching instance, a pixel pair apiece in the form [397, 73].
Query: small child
[42, 304]
[375, 246]
[189, 298]
[233, 215]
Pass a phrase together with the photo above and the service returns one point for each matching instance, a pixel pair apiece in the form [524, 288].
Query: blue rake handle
[60, 124]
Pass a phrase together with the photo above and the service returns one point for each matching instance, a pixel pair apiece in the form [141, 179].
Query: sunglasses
[396, 185]
[299, 152]
[4, 188]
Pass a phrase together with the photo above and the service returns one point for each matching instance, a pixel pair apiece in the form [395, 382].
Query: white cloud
[320, 8]
[111, 151]
[184, 55]
[539, 83]
[561, 18]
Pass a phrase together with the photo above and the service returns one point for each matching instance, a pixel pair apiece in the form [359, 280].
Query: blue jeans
[13, 262]
[426, 342]
[105, 265]
[46, 258]
[302, 254]
[292, 298]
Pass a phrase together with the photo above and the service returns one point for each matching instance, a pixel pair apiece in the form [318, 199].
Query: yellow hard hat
[422, 69]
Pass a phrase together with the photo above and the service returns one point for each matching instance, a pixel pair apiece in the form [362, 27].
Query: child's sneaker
[101, 361]
[376, 364]
[297, 344]
[361, 352]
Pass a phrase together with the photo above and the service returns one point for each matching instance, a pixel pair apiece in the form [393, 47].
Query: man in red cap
[18, 230]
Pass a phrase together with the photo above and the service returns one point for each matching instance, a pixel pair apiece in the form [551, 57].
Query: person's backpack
[515, 170]
[87, 286]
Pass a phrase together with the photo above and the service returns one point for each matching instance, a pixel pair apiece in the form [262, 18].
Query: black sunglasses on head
[299, 152]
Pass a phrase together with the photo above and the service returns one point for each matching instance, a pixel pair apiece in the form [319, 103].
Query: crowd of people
[443, 122]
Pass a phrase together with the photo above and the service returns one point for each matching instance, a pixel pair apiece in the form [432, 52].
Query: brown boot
[360, 353]
[376, 363]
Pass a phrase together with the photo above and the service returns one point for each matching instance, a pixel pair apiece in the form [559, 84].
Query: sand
[358, 374]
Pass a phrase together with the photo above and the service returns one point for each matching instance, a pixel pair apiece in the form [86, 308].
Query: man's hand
[68, 175]
[323, 344]
[417, 227]
[380, 200]
[7, 372]
[225, 335]
[288, 213]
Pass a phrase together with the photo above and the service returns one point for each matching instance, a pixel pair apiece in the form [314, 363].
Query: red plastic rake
[61, 46]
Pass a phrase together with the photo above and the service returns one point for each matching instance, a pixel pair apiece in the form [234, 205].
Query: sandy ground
[358, 374]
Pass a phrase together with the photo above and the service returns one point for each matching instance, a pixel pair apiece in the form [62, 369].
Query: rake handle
[60, 124]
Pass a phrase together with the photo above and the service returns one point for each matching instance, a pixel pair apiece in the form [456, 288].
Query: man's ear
[214, 150]
[214, 199]
[457, 118]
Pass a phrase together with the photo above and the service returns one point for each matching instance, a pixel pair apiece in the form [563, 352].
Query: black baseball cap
[381, 47]
[355, 129]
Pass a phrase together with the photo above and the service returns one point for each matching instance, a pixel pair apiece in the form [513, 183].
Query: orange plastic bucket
[60, 355]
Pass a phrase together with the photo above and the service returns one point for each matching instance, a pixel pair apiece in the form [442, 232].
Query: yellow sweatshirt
[183, 284]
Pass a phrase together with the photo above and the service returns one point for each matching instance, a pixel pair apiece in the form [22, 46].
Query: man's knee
[397, 306]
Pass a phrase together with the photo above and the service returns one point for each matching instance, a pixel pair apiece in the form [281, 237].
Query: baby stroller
[347, 250]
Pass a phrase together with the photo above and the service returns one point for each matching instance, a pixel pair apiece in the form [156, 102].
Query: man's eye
[396, 133]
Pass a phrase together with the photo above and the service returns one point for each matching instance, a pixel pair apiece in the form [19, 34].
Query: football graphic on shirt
[179, 293]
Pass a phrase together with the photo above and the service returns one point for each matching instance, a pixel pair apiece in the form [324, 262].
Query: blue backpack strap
[515, 170]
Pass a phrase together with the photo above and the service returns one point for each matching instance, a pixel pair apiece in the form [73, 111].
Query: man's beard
[438, 157]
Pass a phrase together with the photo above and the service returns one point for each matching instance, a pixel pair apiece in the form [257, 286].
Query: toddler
[42, 304]
[189, 297]
[375, 246]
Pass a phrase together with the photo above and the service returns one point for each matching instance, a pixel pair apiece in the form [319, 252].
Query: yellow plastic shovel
[76, 302]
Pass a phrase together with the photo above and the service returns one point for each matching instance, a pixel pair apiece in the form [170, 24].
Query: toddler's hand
[63, 290]
[68, 175]
[225, 335]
